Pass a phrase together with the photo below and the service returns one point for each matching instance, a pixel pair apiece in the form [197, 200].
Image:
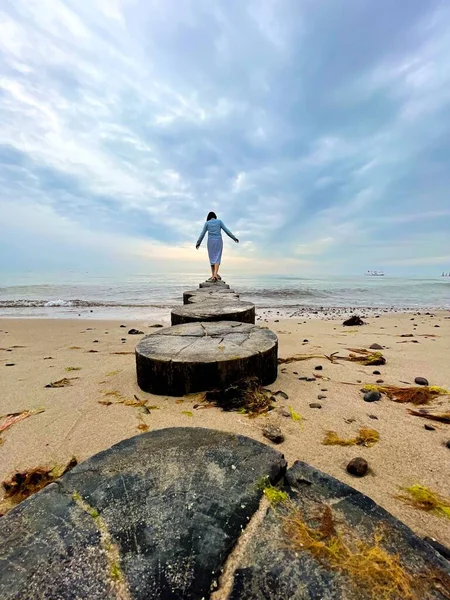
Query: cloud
[316, 131]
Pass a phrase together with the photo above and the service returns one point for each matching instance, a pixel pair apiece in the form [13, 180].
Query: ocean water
[151, 296]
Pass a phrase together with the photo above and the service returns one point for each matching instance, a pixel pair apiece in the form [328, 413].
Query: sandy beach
[99, 356]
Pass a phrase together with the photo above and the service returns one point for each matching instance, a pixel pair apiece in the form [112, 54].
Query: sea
[151, 296]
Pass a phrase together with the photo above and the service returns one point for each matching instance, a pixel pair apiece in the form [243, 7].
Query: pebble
[315, 405]
[324, 390]
[272, 433]
[303, 379]
[10, 365]
[282, 394]
[376, 347]
[447, 443]
[318, 368]
[321, 397]
[373, 417]
[123, 325]
[283, 411]
[421, 381]
[379, 381]
[135, 332]
[95, 342]
[437, 325]
[429, 427]
[305, 341]
[310, 379]
[372, 396]
[358, 466]
[376, 373]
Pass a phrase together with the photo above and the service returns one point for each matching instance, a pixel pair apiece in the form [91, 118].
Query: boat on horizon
[375, 274]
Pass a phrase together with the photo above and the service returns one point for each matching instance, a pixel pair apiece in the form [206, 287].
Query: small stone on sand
[358, 466]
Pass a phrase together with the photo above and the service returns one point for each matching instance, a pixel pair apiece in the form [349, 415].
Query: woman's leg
[212, 270]
[216, 269]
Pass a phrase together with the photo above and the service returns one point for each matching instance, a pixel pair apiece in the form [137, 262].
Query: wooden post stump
[196, 357]
[214, 310]
[205, 292]
[216, 284]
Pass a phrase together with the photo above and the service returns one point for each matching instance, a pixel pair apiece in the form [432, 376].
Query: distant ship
[445, 274]
[375, 273]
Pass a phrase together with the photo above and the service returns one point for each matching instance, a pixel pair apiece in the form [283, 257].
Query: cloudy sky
[319, 131]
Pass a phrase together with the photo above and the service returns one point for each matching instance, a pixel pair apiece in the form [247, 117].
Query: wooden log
[196, 357]
[216, 284]
[205, 292]
[214, 310]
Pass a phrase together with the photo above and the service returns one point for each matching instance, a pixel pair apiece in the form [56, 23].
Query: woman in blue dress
[214, 228]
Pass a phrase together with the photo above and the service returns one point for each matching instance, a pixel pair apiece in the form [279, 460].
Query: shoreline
[161, 314]
[89, 415]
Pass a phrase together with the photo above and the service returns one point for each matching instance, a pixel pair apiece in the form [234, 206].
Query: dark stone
[305, 341]
[379, 381]
[10, 365]
[376, 347]
[232, 310]
[315, 405]
[437, 325]
[197, 357]
[376, 373]
[407, 335]
[283, 411]
[282, 394]
[123, 325]
[421, 381]
[372, 396]
[310, 379]
[95, 342]
[272, 433]
[303, 378]
[135, 332]
[429, 427]
[353, 321]
[373, 417]
[270, 569]
[318, 368]
[171, 503]
[358, 467]
[447, 443]
[321, 397]
[156, 325]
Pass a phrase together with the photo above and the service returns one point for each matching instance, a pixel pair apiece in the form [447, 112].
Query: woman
[214, 228]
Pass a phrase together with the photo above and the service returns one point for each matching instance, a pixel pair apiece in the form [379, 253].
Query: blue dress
[215, 243]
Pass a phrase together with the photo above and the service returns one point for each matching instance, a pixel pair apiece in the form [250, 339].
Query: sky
[318, 130]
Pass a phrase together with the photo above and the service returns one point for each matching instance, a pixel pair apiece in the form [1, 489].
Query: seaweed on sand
[419, 395]
[366, 437]
[245, 396]
[441, 417]
[64, 382]
[425, 499]
[26, 483]
[363, 357]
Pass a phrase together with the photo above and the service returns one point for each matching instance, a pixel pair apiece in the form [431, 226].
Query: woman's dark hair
[211, 215]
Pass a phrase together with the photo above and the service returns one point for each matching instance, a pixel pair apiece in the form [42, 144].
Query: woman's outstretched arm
[228, 232]
[202, 235]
